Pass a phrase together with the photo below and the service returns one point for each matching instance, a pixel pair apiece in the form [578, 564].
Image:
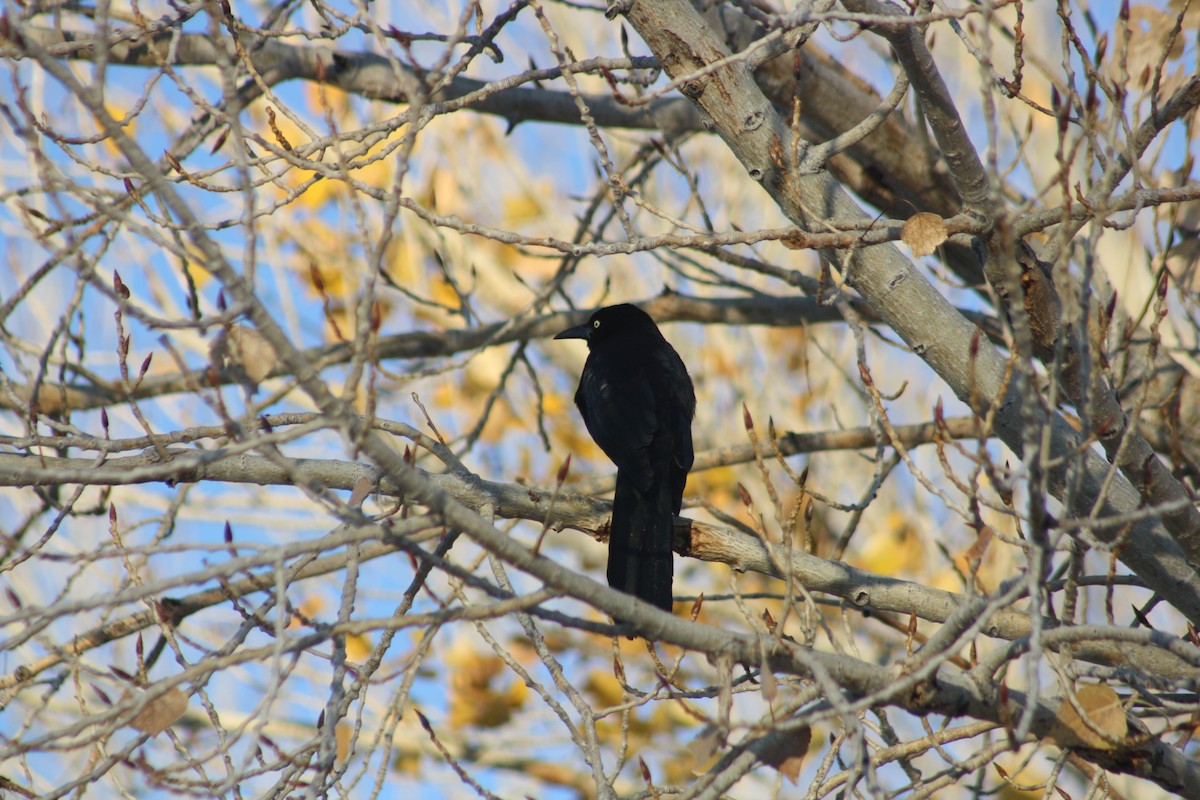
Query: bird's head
[612, 322]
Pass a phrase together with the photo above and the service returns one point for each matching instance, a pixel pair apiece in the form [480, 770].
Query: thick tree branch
[861, 589]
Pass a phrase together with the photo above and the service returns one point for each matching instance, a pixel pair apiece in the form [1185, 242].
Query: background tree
[295, 482]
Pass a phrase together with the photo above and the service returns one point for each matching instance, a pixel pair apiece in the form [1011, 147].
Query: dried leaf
[161, 712]
[972, 557]
[1183, 262]
[253, 352]
[923, 233]
[362, 490]
[770, 688]
[786, 752]
[705, 749]
[246, 353]
[1105, 714]
[795, 241]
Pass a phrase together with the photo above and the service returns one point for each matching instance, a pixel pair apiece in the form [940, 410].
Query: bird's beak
[578, 332]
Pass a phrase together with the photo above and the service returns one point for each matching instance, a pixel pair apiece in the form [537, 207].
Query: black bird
[637, 401]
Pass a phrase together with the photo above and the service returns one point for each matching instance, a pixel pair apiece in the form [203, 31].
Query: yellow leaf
[893, 548]
[118, 116]
[445, 396]
[558, 774]
[322, 98]
[717, 485]
[323, 266]
[553, 403]
[198, 274]
[443, 293]
[358, 647]
[473, 699]
[1025, 784]
[342, 734]
[605, 688]
[668, 716]
[404, 254]
[407, 763]
[523, 207]
[586, 456]
[309, 608]
[517, 693]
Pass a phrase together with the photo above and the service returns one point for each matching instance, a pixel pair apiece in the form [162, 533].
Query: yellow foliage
[403, 256]
[522, 207]
[342, 735]
[323, 98]
[194, 262]
[118, 116]
[378, 172]
[501, 422]
[197, 273]
[894, 548]
[443, 293]
[358, 647]
[576, 441]
[473, 698]
[308, 609]
[1010, 792]
[558, 774]
[318, 194]
[407, 763]
[720, 364]
[605, 688]
[793, 343]
[377, 167]
[365, 165]
[325, 250]
[445, 396]
[670, 715]
[554, 403]
[518, 262]
[719, 485]
[446, 197]
[1027, 784]
[483, 372]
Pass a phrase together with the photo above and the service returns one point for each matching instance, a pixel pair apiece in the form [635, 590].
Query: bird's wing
[680, 404]
[623, 421]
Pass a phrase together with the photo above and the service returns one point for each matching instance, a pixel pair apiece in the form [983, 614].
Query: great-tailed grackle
[637, 401]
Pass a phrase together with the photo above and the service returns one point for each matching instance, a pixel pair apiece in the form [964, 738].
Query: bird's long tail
[639, 548]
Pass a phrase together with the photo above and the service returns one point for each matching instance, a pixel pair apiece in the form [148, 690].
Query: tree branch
[974, 370]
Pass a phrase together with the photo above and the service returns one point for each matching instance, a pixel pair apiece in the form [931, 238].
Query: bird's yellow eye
[596, 323]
